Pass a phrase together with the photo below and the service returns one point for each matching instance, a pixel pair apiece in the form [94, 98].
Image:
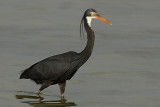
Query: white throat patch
[89, 19]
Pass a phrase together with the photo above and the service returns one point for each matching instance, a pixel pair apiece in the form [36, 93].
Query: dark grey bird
[60, 68]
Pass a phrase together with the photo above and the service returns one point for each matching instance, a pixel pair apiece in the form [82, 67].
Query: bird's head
[91, 14]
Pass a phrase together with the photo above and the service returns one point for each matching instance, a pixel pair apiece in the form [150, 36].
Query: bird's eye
[92, 13]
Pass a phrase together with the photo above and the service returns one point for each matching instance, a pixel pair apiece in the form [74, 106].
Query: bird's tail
[24, 74]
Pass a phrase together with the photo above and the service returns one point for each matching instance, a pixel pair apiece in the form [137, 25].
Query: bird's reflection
[39, 101]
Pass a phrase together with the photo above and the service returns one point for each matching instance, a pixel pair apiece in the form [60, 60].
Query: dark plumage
[59, 68]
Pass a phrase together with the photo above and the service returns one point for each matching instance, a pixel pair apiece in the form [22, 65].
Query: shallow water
[123, 70]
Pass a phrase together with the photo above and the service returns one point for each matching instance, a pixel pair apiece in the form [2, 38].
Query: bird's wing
[51, 68]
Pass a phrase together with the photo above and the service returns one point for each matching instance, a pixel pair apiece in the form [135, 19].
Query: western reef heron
[60, 68]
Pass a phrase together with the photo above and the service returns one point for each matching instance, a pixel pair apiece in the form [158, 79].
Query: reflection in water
[38, 101]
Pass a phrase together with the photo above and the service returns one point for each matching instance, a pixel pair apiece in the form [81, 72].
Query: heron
[59, 68]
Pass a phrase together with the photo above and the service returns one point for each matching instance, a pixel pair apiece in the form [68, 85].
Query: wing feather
[51, 68]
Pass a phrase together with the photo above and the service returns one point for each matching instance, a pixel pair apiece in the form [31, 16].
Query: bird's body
[55, 67]
[59, 68]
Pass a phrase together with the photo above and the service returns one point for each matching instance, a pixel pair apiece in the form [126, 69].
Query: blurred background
[123, 70]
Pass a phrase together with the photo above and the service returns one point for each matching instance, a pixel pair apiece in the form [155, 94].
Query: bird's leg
[62, 87]
[45, 85]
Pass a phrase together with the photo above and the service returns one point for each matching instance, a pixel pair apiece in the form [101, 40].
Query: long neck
[86, 53]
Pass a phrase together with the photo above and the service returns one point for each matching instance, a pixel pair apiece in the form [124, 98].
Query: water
[123, 70]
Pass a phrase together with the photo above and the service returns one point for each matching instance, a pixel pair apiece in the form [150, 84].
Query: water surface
[123, 70]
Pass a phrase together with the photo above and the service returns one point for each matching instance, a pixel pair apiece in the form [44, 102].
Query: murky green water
[123, 70]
